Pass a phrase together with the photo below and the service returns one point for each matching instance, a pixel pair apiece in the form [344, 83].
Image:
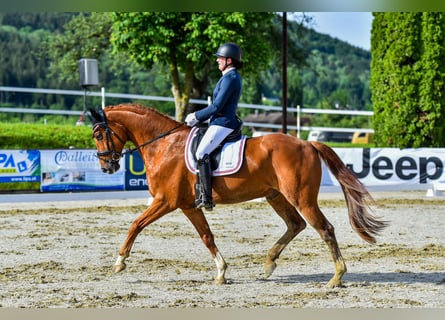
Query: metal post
[298, 121]
[103, 97]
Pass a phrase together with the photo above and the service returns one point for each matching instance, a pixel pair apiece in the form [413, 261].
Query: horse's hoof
[269, 268]
[333, 283]
[119, 267]
[220, 281]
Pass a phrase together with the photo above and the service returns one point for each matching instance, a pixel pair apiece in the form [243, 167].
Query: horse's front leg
[157, 209]
[197, 218]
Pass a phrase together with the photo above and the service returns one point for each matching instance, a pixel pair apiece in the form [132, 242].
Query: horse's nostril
[104, 170]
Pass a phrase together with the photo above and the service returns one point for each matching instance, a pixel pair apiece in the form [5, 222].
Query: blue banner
[19, 166]
[135, 178]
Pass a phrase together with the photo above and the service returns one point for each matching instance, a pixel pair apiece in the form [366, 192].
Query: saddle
[225, 159]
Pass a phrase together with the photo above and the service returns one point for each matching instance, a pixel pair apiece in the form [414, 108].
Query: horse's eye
[99, 136]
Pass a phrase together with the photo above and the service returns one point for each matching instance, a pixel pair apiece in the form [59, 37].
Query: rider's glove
[191, 120]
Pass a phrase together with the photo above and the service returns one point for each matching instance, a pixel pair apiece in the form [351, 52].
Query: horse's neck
[154, 125]
[143, 127]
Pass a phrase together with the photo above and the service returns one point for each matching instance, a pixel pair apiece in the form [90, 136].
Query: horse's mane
[141, 110]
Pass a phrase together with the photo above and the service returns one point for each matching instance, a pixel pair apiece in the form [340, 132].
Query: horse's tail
[356, 195]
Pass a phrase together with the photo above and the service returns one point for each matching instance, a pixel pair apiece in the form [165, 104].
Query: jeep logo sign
[391, 166]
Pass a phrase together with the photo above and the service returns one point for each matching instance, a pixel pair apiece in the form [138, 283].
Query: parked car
[362, 137]
[330, 136]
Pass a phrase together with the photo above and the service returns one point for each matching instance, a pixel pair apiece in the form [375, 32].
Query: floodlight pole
[88, 76]
[284, 72]
[84, 99]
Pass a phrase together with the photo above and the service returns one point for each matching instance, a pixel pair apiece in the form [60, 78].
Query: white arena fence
[298, 110]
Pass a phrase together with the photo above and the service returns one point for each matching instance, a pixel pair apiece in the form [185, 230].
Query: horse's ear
[96, 116]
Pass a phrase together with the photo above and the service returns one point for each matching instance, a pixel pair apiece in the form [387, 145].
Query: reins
[162, 135]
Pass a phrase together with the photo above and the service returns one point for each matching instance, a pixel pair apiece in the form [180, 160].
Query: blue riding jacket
[222, 111]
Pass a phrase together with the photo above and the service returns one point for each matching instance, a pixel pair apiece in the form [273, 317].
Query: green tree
[85, 36]
[407, 79]
[185, 42]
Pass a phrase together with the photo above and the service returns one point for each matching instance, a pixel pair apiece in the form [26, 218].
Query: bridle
[115, 156]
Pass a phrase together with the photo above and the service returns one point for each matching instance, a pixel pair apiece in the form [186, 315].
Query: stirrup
[201, 200]
[201, 203]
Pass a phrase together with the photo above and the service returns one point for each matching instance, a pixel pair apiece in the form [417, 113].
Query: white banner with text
[76, 170]
[391, 167]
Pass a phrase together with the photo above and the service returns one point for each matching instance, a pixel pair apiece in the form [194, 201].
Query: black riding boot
[203, 187]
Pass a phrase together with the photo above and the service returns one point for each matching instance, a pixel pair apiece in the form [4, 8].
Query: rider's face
[222, 63]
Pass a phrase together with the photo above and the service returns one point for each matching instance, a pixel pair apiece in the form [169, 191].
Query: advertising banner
[412, 168]
[389, 168]
[19, 166]
[135, 178]
[77, 170]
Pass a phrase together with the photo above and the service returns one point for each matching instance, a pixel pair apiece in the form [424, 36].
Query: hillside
[336, 73]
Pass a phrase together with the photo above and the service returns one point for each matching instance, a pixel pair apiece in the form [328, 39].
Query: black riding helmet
[230, 50]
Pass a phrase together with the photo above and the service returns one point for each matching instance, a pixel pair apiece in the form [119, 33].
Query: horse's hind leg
[295, 224]
[316, 219]
[197, 218]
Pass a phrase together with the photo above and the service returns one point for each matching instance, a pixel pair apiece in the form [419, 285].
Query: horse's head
[109, 141]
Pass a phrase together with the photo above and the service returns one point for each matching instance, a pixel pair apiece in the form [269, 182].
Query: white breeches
[211, 140]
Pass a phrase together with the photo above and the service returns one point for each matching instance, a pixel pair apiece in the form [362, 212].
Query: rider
[222, 115]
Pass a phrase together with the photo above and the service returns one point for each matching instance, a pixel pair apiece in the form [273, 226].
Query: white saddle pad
[231, 156]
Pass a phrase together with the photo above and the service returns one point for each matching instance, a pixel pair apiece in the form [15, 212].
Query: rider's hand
[191, 120]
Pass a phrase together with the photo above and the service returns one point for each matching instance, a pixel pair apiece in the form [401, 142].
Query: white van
[313, 135]
[330, 136]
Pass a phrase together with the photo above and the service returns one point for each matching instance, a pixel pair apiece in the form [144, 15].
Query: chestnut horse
[283, 169]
